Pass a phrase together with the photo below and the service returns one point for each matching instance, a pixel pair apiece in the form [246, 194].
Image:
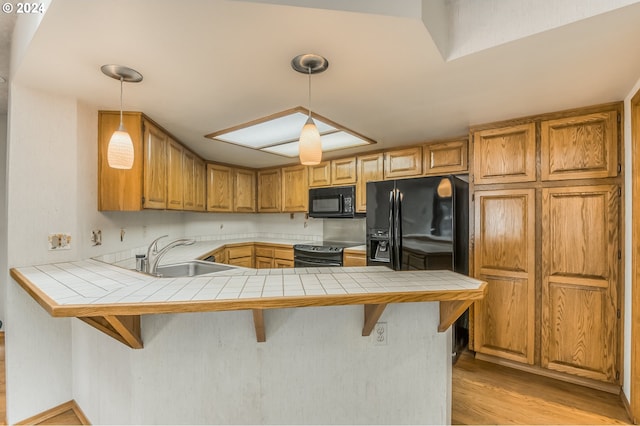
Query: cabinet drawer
[247, 262]
[240, 251]
[264, 251]
[280, 263]
[283, 253]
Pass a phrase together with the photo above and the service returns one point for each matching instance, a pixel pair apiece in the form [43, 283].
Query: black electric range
[326, 253]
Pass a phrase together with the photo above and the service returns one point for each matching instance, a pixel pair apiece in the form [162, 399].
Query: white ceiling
[210, 65]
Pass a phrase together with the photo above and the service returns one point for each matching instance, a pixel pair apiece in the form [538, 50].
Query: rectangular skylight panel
[287, 149]
[330, 142]
[341, 140]
[271, 132]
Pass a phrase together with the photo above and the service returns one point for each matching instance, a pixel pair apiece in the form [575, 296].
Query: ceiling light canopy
[120, 149]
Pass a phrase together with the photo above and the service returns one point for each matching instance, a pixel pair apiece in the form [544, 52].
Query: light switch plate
[59, 242]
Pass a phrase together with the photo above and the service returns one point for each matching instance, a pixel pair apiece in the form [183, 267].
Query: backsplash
[347, 230]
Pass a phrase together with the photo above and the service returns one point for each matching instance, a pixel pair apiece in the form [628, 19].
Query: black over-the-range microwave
[333, 202]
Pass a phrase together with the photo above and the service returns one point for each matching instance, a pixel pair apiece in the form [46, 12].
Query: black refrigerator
[418, 224]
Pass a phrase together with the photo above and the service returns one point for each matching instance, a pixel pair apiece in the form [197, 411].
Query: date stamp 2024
[23, 8]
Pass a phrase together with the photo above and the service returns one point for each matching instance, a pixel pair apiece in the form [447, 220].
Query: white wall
[3, 208]
[628, 273]
[314, 368]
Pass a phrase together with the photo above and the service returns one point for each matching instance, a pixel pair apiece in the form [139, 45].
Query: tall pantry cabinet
[547, 218]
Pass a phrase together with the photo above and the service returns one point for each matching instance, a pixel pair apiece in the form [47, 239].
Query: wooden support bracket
[123, 328]
[258, 322]
[450, 311]
[371, 315]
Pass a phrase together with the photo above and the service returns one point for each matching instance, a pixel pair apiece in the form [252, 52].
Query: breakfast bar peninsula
[243, 345]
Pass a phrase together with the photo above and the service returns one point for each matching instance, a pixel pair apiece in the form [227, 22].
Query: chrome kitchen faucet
[154, 255]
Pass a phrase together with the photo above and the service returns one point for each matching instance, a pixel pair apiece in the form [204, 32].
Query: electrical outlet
[96, 237]
[380, 334]
[59, 242]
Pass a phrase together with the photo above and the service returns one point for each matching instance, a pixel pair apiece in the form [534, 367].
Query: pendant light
[310, 146]
[120, 149]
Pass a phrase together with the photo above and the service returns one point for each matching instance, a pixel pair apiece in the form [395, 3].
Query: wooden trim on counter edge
[56, 411]
[634, 402]
[122, 321]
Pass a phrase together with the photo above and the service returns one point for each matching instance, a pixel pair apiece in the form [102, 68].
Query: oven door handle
[302, 263]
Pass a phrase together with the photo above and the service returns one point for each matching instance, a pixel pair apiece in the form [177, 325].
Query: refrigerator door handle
[391, 228]
[397, 231]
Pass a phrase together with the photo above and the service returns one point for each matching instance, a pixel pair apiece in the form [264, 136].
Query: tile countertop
[111, 298]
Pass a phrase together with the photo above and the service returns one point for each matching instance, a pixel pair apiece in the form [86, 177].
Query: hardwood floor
[485, 393]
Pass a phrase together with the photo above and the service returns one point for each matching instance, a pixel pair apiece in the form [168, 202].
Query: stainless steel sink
[190, 269]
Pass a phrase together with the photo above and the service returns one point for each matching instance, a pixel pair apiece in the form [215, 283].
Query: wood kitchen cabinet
[273, 256]
[295, 189]
[155, 167]
[175, 175]
[160, 176]
[199, 185]
[505, 154]
[240, 255]
[505, 259]
[370, 169]
[580, 268]
[219, 188]
[269, 190]
[188, 181]
[354, 258]
[120, 189]
[319, 174]
[403, 163]
[563, 318]
[441, 158]
[343, 171]
[582, 147]
[244, 191]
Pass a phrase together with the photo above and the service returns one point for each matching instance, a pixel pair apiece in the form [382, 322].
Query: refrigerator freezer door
[426, 223]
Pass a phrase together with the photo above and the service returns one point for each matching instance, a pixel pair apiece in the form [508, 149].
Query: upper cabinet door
[370, 169]
[175, 176]
[295, 190]
[269, 190]
[199, 185]
[581, 147]
[403, 163]
[155, 167]
[219, 188]
[188, 180]
[505, 155]
[445, 157]
[244, 199]
[320, 174]
[343, 171]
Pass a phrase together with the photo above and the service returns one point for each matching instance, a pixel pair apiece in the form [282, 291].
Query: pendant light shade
[310, 146]
[120, 153]
[120, 150]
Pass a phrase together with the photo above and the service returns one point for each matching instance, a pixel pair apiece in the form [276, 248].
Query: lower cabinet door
[504, 321]
[580, 271]
[264, 262]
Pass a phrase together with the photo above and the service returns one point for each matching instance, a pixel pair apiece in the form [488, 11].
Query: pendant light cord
[309, 91]
[121, 83]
